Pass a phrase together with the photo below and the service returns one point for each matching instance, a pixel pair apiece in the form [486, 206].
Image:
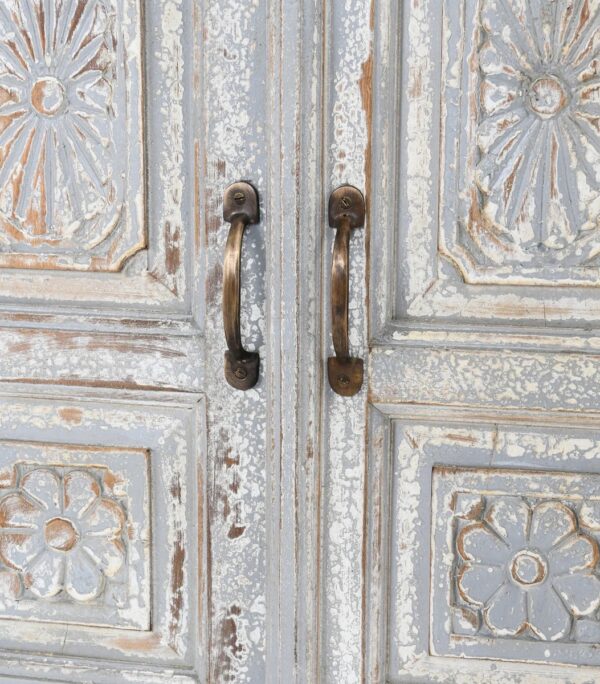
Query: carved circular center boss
[48, 96]
[60, 534]
[547, 96]
[528, 568]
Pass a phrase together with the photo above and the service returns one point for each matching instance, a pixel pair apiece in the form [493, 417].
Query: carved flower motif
[539, 130]
[60, 534]
[528, 567]
[55, 115]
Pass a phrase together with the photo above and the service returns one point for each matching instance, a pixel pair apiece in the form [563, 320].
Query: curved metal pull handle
[240, 208]
[346, 212]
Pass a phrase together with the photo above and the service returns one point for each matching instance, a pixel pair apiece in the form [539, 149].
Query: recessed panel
[495, 124]
[96, 155]
[99, 519]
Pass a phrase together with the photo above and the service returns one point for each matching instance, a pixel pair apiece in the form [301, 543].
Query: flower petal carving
[43, 486]
[45, 575]
[81, 492]
[62, 534]
[548, 617]
[551, 523]
[477, 543]
[19, 512]
[56, 117]
[506, 613]
[478, 583]
[528, 568]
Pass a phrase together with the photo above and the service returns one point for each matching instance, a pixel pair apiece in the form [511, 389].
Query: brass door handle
[240, 208]
[346, 212]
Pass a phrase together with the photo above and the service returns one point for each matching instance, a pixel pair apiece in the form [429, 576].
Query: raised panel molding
[98, 143]
[526, 165]
[101, 535]
[523, 558]
[74, 537]
[490, 209]
[71, 180]
[484, 553]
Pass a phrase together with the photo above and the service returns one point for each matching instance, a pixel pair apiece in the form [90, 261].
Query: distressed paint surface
[67, 536]
[442, 474]
[524, 567]
[520, 140]
[211, 86]
[348, 103]
[160, 438]
[482, 359]
[138, 330]
[71, 191]
[235, 147]
[116, 150]
[431, 66]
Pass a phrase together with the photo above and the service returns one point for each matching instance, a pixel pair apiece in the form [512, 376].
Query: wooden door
[460, 507]
[134, 494]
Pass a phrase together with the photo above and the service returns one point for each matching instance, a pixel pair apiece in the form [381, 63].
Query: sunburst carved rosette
[64, 148]
[537, 198]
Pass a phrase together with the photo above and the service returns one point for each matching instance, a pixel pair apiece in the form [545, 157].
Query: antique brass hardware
[240, 208]
[346, 212]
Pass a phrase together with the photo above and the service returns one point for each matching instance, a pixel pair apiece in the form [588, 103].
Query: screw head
[239, 197]
[344, 380]
[240, 373]
[346, 202]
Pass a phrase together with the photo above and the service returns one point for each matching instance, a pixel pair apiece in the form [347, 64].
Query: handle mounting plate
[240, 201]
[347, 202]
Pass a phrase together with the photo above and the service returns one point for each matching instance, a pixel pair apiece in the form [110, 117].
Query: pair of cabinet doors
[440, 525]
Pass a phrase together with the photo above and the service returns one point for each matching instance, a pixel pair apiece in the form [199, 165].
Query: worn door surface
[132, 477]
[461, 490]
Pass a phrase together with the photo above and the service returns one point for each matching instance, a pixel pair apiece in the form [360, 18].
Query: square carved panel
[495, 124]
[75, 535]
[522, 98]
[97, 140]
[516, 562]
[72, 193]
[100, 519]
[494, 548]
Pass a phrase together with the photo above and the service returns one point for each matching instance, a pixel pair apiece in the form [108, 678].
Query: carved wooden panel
[495, 549]
[493, 163]
[100, 534]
[523, 92]
[74, 538]
[71, 178]
[523, 555]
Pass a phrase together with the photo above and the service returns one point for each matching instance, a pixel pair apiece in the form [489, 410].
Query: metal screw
[344, 380]
[240, 373]
[239, 197]
[346, 202]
